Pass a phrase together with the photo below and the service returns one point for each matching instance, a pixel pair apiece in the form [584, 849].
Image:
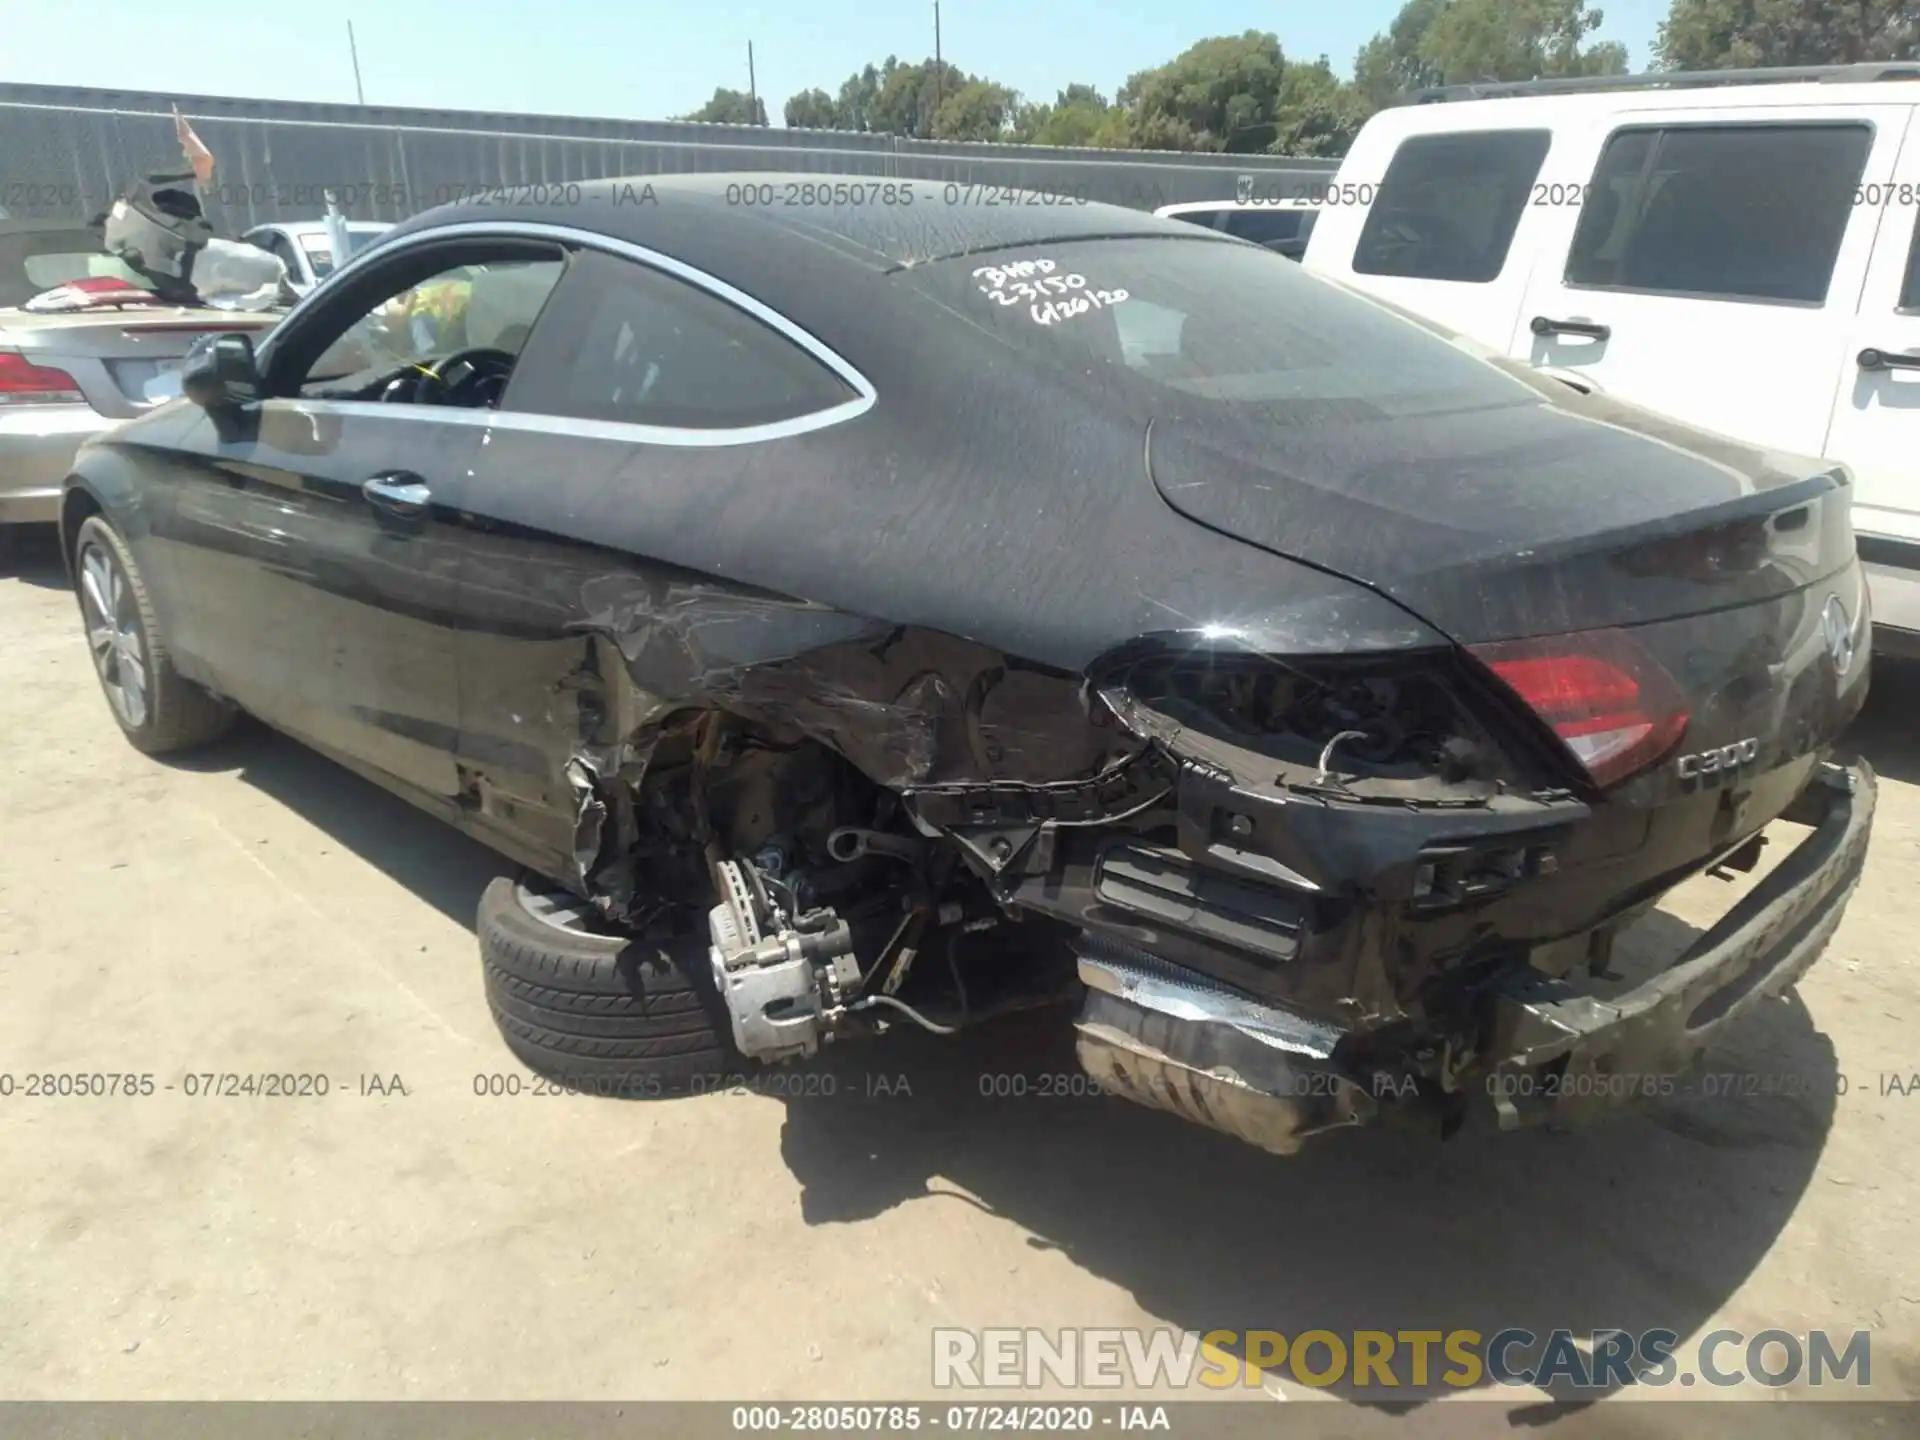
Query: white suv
[1739, 249]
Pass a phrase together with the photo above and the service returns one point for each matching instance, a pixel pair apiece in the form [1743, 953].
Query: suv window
[625, 342]
[1449, 204]
[1910, 287]
[1751, 212]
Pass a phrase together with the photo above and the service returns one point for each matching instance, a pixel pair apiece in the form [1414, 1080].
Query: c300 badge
[1718, 761]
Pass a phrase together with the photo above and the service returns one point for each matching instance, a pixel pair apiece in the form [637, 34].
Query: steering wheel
[475, 379]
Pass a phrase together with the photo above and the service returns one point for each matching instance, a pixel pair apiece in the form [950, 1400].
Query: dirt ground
[258, 909]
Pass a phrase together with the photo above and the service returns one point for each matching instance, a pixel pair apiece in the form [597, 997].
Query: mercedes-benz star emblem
[1837, 626]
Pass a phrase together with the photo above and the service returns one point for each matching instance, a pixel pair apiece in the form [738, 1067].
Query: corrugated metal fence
[65, 152]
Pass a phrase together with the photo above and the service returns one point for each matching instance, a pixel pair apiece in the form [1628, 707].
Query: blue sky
[648, 59]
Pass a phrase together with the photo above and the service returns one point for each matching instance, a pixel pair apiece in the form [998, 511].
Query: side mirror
[220, 373]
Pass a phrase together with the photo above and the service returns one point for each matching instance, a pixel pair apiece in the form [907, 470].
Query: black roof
[811, 252]
[891, 222]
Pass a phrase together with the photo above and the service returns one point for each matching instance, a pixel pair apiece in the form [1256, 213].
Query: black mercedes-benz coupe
[887, 610]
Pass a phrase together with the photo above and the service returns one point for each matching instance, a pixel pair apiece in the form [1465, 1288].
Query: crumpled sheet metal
[590, 817]
[907, 707]
[687, 635]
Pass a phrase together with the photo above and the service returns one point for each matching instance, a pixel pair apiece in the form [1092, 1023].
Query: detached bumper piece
[1164, 1037]
[1568, 1056]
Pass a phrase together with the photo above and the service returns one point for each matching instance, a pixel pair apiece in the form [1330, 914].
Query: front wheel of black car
[158, 708]
[594, 1009]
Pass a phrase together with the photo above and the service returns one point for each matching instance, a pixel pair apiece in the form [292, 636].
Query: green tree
[812, 110]
[1315, 114]
[1518, 40]
[731, 107]
[910, 95]
[1446, 42]
[1217, 94]
[978, 110]
[1391, 64]
[1240, 94]
[1737, 34]
[1077, 116]
[853, 107]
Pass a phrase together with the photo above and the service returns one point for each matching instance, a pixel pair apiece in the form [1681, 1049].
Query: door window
[1910, 286]
[1449, 204]
[1750, 212]
[394, 343]
[625, 342]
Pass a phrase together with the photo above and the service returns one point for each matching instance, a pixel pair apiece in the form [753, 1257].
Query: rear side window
[1748, 212]
[1172, 327]
[1449, 204]
[621, 341]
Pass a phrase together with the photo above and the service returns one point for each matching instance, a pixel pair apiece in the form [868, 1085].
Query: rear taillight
[1608, 700]
[24, 383]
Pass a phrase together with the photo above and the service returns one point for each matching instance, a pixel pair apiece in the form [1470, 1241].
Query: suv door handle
[1543, 325]
[1872, 359]
[398, 492]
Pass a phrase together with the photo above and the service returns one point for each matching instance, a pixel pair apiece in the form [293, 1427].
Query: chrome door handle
[398, 493]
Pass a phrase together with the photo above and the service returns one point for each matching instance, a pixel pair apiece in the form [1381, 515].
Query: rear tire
[158, 709]
[593, 1008]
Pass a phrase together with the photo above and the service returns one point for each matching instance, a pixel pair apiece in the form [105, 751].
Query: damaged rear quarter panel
[920, 588]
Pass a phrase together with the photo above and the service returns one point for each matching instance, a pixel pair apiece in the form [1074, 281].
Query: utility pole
[753, 90]
[354, 50]
[933, 123]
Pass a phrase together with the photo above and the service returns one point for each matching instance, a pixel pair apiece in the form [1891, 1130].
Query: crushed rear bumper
[1174, 1039]
[1567, 1055]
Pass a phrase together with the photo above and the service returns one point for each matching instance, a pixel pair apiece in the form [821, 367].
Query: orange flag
[196, 152]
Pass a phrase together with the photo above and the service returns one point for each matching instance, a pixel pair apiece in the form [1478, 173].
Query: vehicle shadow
[1648, 1222]
[437, 863]
[1885, 734]
[31, 553]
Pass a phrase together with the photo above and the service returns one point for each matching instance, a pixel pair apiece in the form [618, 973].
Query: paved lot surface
[260, 910]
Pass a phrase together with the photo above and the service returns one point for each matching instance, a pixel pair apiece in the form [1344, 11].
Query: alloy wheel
[114, 633]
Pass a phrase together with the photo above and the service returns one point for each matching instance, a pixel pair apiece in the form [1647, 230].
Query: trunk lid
[121, 359]
[1704, 595]
[1515, 520]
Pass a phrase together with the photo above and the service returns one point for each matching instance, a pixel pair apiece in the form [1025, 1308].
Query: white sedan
[1280, 225]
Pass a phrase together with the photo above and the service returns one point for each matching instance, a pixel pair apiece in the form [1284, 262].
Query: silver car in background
[305, 248]
[68, 374]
